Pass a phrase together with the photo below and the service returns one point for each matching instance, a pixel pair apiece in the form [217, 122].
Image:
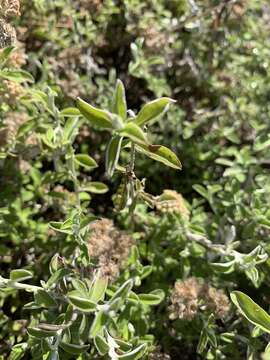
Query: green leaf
[101, 345]
[17, 76]
[225, 268]
[62, 227]
[98, 288]
[73, 349]
[135, 354]
[44, 299]
[112, 154]
[119, 101]
[85, 161]
[82, 303]
[253, 312]
[153, 110]
[134, 133]
[96, 187]
[99, 322]
[20, 275]
[5, 53]
[123, 291]
[153, 298]
[56, 277]
[18, 351]
[96, 117]
[40, 333]
[70, 111]
[162, 154]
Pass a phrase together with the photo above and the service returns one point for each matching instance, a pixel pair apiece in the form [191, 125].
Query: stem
[132, 157]
[17, 285]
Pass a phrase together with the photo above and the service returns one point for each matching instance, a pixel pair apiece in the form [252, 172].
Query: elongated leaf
[134, 133]
[101, 345]
[20, 275]
[40, 333]
[153, 110]
[252, 311]
[70, 111]
[18, 76]
[86, 161]
[153, 298]
[80, 302]
[97, 117]
[96, 187]
[119, 101]
[44, 299]
[112, 154]
[135, 354]
[123, 291]
[18, 351]
[73, 348]
[99, 287]
[98, 323]
[162, 154]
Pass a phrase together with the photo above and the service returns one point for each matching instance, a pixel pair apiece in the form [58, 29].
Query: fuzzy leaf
[135, 354]
[72, 348]
[134, 133]
[119, 101]
[20, 275]
[86, 161]
[162, 154]
[80, 302]
[97, 117]
[112, 154]
[96, 187]
[153, 110]
[250, 310]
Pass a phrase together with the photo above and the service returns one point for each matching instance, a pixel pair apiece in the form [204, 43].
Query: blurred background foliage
[212, 57]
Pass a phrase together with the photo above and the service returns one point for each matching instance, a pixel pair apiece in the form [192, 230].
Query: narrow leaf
[153, 110]
[112, 154]
[20, 275]
[134, 133]
[85, 161]
[97, 117]
[162, 154]
[119, 102]
[253, 312]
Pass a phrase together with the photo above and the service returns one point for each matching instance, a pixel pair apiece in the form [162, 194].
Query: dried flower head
[185, 299]
[17, 58]
[109, 246]
[171, 201]
[92, 6]
[191, 295]
[10, 8]
[154, 38]
[10, 92]
[158, 355]
[216, 300]
[7, 34]
[12, 123]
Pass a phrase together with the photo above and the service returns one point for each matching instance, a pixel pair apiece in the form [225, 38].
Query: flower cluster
[191, 295]
[8, 9]
[109, 247]
[171, 201]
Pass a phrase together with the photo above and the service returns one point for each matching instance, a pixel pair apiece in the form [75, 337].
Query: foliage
[107, 249]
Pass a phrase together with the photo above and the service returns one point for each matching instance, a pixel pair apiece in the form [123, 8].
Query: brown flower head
[10, 8]
[191, 295]
[109, 246]
[7, 34]
[10, 92]
[185, 299]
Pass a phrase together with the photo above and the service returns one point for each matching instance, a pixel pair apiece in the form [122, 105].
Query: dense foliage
[110, 246]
